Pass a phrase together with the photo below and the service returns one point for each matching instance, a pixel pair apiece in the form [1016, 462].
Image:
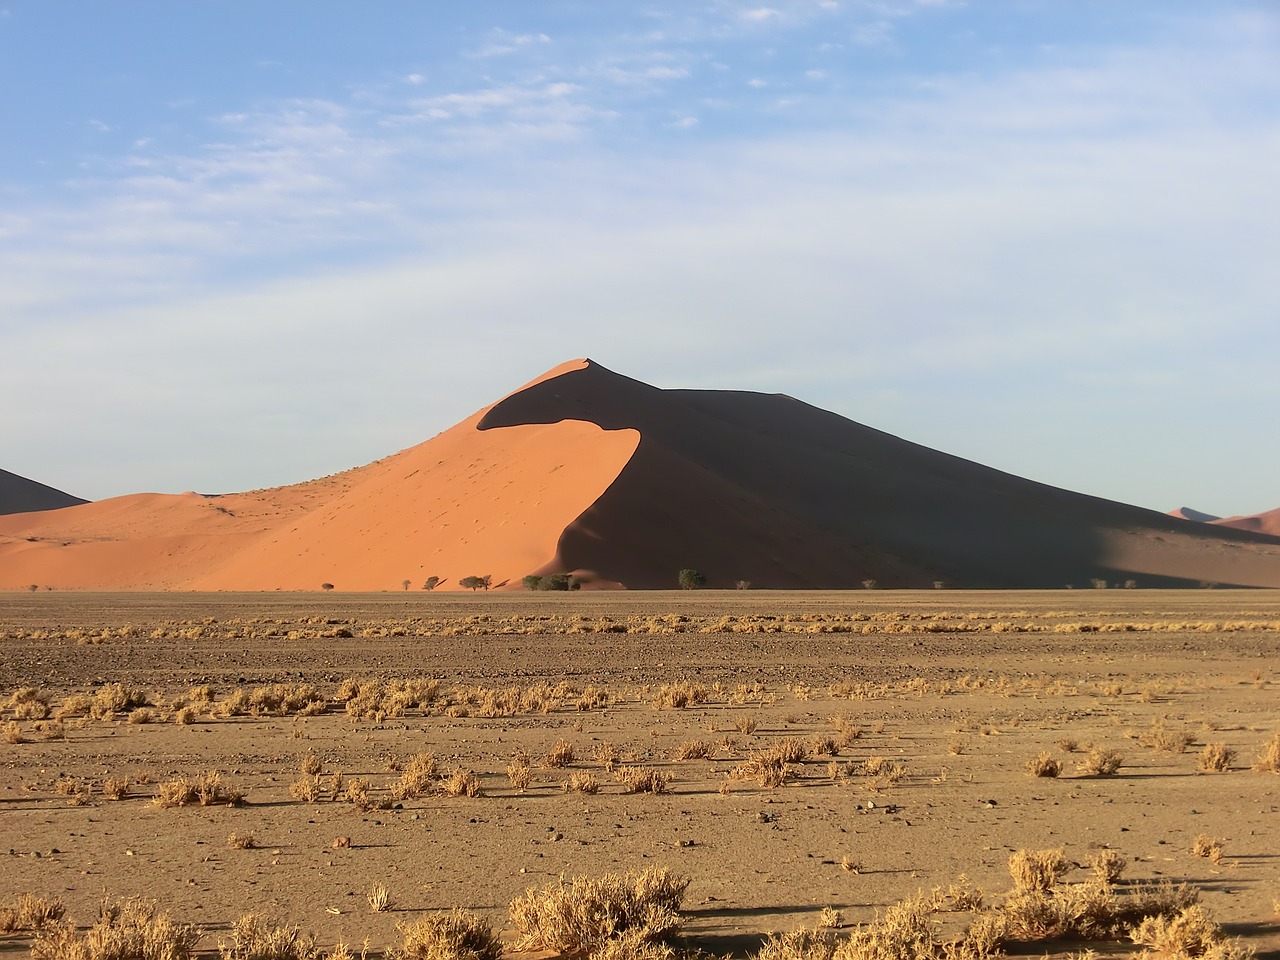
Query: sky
[244, 244]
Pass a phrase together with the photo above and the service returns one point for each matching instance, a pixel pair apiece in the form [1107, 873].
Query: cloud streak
[993, 264]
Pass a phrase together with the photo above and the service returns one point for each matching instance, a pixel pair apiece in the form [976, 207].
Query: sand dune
[1268, 522]
[586, 470]
[20, 495]
[1187, 513]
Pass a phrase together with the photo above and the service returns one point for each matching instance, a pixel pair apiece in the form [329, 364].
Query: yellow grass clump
[1269, 758]
[585, 913]
[30, 913]
[254, 937]
[457, 935]
[206, 789]
[126, 930]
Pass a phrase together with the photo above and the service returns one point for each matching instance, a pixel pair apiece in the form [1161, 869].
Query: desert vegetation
[887, 779]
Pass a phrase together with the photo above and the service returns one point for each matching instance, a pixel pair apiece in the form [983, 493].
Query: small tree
[34, 587]
[869, 584]
[404, 584]
[474, 583]
[691, 579]
[431, 583]
[532, 582]
[326, 586]
[557, 581]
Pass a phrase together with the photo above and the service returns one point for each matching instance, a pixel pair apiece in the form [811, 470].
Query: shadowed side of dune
[764, 488]
[20, 495]
[1267, 523]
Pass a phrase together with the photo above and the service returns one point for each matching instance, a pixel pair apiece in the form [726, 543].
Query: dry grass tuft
[380, 899]
[1037, 870]
[1107, 865]
[642, 779]
[206, 789]
[1100, 762]
[457, 935]
[520, 771]
[798, 945]
[254, 937]
[30, 913]
[116, 788]
[417, 777]
[462, 783]
[830, 919]
[242, 841]
[581, 781]
[13, 732]
[77, 792]
[126, 930]
[584, 914]
[1045, 765]
[1215, 758]
[745, 725]
[1207, 847]
[560, 755]
[1269, 758]
[1191, 934]
[765, 769]
[691, 750]
[679, 695]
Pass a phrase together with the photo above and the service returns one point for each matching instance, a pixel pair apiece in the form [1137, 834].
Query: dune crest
[20, 495]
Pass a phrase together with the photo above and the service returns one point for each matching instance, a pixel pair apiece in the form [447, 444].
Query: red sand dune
[586, 470]
[20, 495]
[1198, 516]
[1268, 522]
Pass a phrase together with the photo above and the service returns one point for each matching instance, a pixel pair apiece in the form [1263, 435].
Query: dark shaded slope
[1268, 523]
[20, 495]
[771, 490]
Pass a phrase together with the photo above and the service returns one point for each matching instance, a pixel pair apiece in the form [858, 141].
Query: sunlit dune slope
[463, 503]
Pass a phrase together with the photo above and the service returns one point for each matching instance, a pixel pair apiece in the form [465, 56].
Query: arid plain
[810, 751]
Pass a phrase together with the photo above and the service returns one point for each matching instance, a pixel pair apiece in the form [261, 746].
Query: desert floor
[933, 703]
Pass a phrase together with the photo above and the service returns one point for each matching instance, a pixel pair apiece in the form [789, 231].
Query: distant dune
[20, 495]
[1268, 522]
[1186, 513]
[583, 470]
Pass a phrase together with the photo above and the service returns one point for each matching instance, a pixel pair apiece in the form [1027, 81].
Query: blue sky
[245, 244]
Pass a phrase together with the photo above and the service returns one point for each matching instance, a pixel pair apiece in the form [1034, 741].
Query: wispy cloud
[1088, 220]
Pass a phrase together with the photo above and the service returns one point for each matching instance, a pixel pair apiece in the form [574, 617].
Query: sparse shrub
[306, 788]
[457, 935]
[1036, 870]
[380, 899]
[13, 732]
[642, 779]
[680, 695]
[798, 945]
[605, 754]
[745, 725]
[830, 919]
[115, 788]
[1207, 847]
[30, 913]
[1161, 738]
[767, 770]
[29, 703]
[125, 930]
[1189, 935]
[691, 579]
[310, 765]
[1108, 866]
[560, 755]
[1215, 758]
[417, 777]
[206, 789]
[584, 914]
[581, 781]
[692, 750]
[142, 715]
[185, 716]
[241, 841]
[254, 937]
[520, 771]
[1269, 758]
[77, 792]
[462, 783]
[1068, 745]
[1100, 762]
[1045, 765]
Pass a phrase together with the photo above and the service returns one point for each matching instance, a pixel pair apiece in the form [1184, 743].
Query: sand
[583, 470]
[1004, 678]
